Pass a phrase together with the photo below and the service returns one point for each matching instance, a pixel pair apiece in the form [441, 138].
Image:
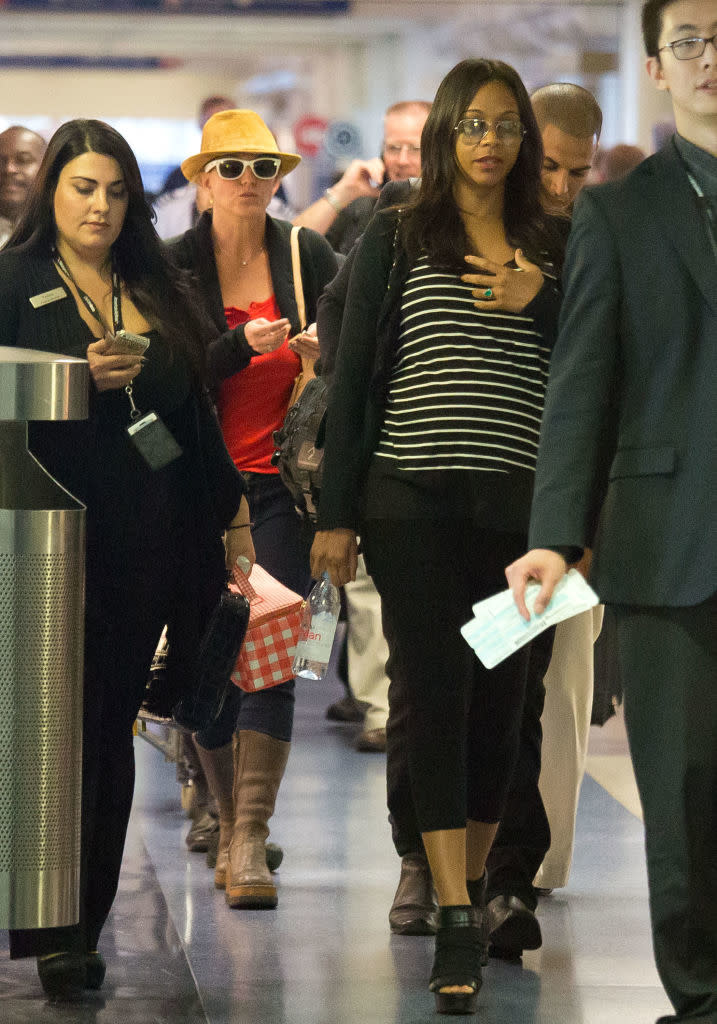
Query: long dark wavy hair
[432, 222]
[159, 291]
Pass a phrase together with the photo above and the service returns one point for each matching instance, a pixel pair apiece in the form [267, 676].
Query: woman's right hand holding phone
[109, 368]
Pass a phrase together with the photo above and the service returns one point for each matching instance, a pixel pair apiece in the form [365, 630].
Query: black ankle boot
[476, 893]
[476, 890]
[457, 959]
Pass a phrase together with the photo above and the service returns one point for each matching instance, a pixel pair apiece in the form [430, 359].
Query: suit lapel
[669, 191]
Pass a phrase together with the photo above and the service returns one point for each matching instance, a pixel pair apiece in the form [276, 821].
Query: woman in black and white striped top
[467, 389]
[430, 451]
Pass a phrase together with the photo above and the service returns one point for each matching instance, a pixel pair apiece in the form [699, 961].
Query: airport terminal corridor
[176, 954]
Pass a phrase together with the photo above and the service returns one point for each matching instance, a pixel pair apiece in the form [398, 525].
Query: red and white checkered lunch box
[268, 651]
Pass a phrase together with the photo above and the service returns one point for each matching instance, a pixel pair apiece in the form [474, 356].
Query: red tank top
[253, 403]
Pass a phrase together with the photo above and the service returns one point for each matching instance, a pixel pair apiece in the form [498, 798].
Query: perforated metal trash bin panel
[41, 606]
[42, 557]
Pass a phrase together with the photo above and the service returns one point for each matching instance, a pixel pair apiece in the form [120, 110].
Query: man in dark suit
[628, 466]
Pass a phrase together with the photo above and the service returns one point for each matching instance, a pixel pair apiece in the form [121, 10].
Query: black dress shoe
[371, 741]
[63, 976]
[414, 910]
[512, 927]
[348, 709]
[202, 832]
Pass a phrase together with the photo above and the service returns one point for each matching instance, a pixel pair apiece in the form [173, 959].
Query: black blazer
[194, 251]
[628, 450]
[58, 327]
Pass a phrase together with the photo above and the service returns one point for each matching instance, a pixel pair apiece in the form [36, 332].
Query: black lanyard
[705, 204]
[116, 295]
[116, 314]
[708, 211]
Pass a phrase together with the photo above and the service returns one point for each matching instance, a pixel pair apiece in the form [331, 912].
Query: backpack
[299, 452]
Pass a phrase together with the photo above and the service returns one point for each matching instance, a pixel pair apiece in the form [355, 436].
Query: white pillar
[643, 106]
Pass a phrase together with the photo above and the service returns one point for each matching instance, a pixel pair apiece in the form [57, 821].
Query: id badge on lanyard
[147, 433]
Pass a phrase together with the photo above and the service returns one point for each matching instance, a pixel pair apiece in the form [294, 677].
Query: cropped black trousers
[461, 722]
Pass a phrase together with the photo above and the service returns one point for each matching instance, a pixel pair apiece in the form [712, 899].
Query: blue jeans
[282, 548]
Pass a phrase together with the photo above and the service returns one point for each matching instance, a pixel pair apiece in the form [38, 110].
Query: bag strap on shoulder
[298, 284]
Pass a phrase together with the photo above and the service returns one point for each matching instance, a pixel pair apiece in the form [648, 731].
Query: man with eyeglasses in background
[627, 466]
[344, 210]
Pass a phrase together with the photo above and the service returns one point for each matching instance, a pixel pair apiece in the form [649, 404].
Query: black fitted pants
[459, 722]
[523, 837]
[127, 607]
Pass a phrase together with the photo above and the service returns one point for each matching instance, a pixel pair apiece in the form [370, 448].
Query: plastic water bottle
[319, 616]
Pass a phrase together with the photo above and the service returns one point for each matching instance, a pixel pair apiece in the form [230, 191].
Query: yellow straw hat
[236, 131]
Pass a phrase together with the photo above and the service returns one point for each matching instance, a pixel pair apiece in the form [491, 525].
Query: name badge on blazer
[45, 298]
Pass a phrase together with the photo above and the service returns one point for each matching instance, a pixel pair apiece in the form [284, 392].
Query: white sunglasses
[231, 167]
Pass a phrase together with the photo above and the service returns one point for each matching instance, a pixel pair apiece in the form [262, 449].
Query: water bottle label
[315, 644]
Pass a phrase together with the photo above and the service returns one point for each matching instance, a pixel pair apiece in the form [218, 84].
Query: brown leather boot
[260, 769]
[218, 767]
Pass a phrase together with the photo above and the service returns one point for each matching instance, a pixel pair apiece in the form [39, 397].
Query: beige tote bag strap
[296, 268]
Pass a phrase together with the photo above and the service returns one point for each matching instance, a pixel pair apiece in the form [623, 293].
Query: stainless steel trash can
[42, 572]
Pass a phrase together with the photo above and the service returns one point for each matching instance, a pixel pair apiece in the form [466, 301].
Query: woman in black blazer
[154, 533]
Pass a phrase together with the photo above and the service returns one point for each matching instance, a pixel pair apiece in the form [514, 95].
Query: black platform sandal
[457, 959]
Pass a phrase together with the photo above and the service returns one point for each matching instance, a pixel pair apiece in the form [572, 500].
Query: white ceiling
[246, 45]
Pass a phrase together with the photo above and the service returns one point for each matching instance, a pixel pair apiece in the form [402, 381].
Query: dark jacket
[58, 327]
[629, 434]
[350, 224]
[194, 251]
[365, 298]
[333, 298]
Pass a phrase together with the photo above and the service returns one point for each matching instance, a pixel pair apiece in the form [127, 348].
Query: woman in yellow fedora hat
[241, 259]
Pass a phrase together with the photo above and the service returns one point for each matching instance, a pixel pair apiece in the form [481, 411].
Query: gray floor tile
[176, 953]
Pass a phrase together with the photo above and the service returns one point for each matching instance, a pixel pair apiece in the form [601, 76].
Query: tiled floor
[177, 955]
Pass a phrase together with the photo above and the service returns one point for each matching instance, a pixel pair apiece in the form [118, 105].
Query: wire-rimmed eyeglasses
[475, 129]
[396, 148]
[231, 167]
[690, 48]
